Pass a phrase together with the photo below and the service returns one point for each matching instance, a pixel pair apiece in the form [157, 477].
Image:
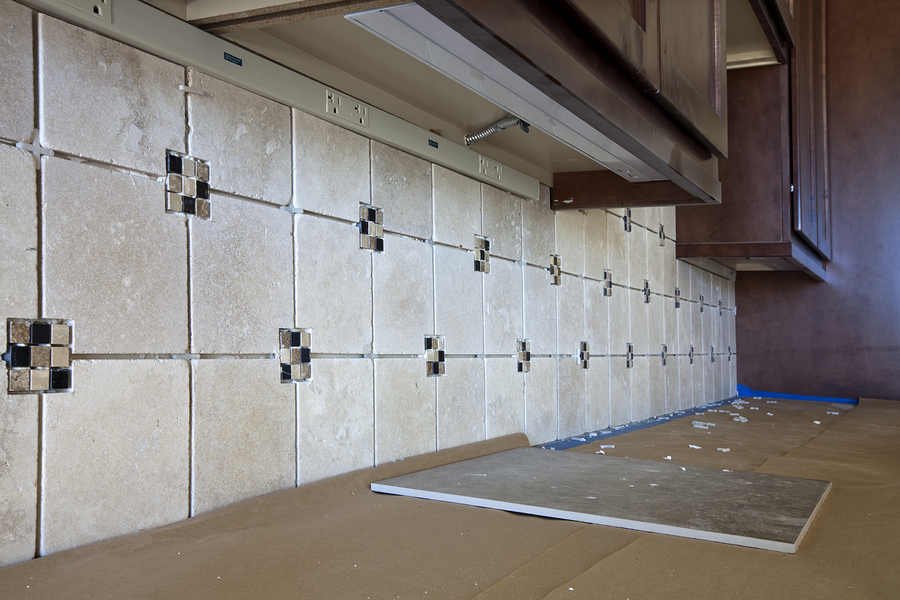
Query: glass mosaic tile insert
[691, 354]
[607, 283]
[371, 228]
[629, 356]
[662, 235]
[584, 355]
[677, 298]
[187, 185]
[712, 354]
[720, 307]
[294, 355]
[729, 353]
[664, 355]
[482, 254]
[434, 356]
[39, 355]
[627, 219]
[555, 270]
[646, 292]
[523, 356]
[701, 302]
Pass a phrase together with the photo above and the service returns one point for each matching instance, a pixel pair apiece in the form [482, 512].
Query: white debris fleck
[600, 452]
[702, 424]
[771, 401]
[654, 485]
[607, 445]
[693, 446]
[724, 449]
[757, 397]
[580, 439]
[684, 469]
[770, 414]
[740, 419]
[592, 434]
[667, 458]
[754, 408]
[817, 422]
[833, 413]
[727, 471]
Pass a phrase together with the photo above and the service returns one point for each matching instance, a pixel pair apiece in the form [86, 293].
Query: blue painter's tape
[234, 59]
[432, 143]
[744, 392]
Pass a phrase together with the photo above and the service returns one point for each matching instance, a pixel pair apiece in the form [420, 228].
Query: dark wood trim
[605, 189]
[770, 26]
[286, 13]
[736, 250]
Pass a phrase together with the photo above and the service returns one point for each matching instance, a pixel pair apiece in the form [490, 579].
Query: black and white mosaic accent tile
[39, 356]
[584, 355]
[294, 355]
[607, 283]
[371, 228]
[187, 185]
[482, 254]
[434, 355]
[662, 235]
[677, 297]
[627, 220]
[701, 302]
[523, 356]
[691, 354]
[730, 353]
[629, 355]
[664, 355]
[555, 270]
[646, 292]
[712, 353]
[720, 307]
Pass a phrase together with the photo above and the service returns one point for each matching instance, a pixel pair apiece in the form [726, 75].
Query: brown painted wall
[842, 337]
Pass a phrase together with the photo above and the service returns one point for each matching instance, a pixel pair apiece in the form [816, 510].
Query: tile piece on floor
[106, 101]
[405, 409]
[460, 403]
[187, 185]
[40, 356]
[502, 222]
[294, 355]
[248, 135]
[403, 296]
[401, 185]
[502, 307]
[435, 363]
[16, 72]
[458, 300]
[504, 397]
[538, 228]
[457, 207]
[371, 228]
[542, 408]
[523, 356]
[687, 501]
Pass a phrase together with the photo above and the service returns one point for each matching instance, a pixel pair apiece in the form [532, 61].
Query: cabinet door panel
[692, 68]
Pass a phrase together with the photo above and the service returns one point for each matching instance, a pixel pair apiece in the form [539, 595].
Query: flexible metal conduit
[496, 127]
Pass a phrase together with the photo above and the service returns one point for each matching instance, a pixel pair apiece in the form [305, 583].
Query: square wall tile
[401, 186]
[638, 260]
[657, 385]
[570, 240]
[698, 379]
[670, 270]
[596, 317]
[457, 207]
[570, 303]
[541, 401]
[640, 317]
[333, 285]
[458, 298]
[596, 394]
[117, 265]
[241, 278]
[620, 377]
[116, 452]
[18, 233]
[106, 101]
[502, 307]
[501, 221]
[538, 228]
[667, 216]
[18, 473]
[670, 319]
[685, 326]
[684, 280]
[641, 389]
[246, 137]
[656, 324]
[571, 398]
[540, 311]
[331, 168]
[596, 251]
[16, 72]
[620, 319]
[504, 393]
[405, 409]
[336, 419]
[403, 296]
[686, 384]
[656, 264]
[244, 432]
[460, 403]
[618, 247]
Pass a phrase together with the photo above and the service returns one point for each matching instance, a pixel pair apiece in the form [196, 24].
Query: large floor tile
[18, 235]
[501, 217]
[333, 286]
[242, 278]
[401, 186]
[596, 394]
[570, 240]
[405, 409]
[538, 229]
[403, 296]
[457, 208]
[331, 168]
[336, 419]
[540, 311]
[571, 398]
[504, 392]
[116, 265]
[16, 72]
[115, 452]
[246, 138]
[502, 307]
[570, 303]
[244, 431]
[106, 101]
[541, 401]
[460, 403]
[458, 299]
[18, 474]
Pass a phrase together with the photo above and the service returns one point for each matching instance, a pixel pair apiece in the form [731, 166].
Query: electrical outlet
[489, 168]
[346, 108]
[101, 9]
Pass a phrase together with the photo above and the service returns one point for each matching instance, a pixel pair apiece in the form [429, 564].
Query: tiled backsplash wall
[442, 312]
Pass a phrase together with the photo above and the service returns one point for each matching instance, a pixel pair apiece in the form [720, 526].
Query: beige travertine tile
[596, 317]
[667, 214]
[597, 394]
[685, 326]
[670, 270]
[640, 322]
[596, 248]
[405, 409]
[335, 419]
[458, 300]
[686, 383]
[697, 284]
[638, 263]
[709, 384]
[570, 240]
[502, 307]
[116, 265]
[538, 229]
[698, 372]
[403, 296]
[504, 397]
[570, 303]
[657, 264]
[646, 216]
[619, 391]
[401, 186]
[641, 389]
[657, 386]
[107, 101]
[697, 326]
[115, 452]
[673, 384]
[656, 324]
[619, 319]
[684, 279]
[241, 271]
[246, 138]
[706, 287]
[540, 311]
[18, 473]
[460, 403]
[542, 420]
[331, 168]
[16, 72]
[244, 431]
[457, 208]
[501, 221]
[333, 285]
[18, 234]
[733, 377]
[618, 246]
[571, 398]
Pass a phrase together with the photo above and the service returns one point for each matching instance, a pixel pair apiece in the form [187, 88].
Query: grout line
[39, 479]
[39, 285]
[191, 442]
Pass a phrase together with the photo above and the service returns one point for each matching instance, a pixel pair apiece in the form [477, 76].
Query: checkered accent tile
[187, 185]
[691, 354]
[39, 356]
[677, 297]
[294, 355]
[662, 235]
[434, 355]
[523, 356]
[584, 355]
[371, 228]
[629, 355]
[664, 355]
[607, 283]
[646, 292]
[627, 219]
[482, 254]
[555, 270]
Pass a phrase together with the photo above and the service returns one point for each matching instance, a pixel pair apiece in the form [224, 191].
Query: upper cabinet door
[630, 31]
[692, 68]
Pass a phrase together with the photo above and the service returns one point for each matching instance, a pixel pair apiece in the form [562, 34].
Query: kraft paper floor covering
[338, 539]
